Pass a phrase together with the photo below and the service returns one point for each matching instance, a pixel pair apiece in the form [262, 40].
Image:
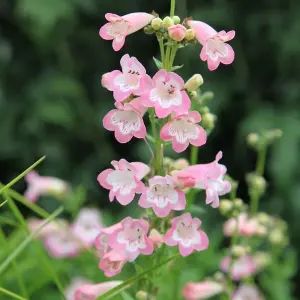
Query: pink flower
[185, 233]
[211, 178]
[132, 80]
[240, 268]
[126, 121]
[93, 291]
[62, 244]
[162, 196]
[101, 241]
[125, 181]
[51, 228]
[44, 185]
[183, 130]
[201, 290]
[156, 238]
[112, 263]
[73, 286]
[247, 292]
[215, 49]
[131, 239]
[242, 224]
[87, 226]
[183, 179]
[167, 95]
[119, 27]
[177, 32]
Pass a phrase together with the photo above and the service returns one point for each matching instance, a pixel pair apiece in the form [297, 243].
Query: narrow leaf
[3, 203]
[11, 294]
[177, 67]
[158, 63]
[7, 186]
[118, 289]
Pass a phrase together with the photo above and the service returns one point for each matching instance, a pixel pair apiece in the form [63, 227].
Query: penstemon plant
[167, 232]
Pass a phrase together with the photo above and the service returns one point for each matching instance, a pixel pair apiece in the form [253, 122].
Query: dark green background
[52, 102]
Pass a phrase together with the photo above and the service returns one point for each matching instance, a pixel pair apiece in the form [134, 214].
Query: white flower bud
[167, 22]
[180, 164]
[225, 206]
[176, 20]
[208, 120]
[190, 34]
[156, 23]
[194, 82]
[252, 139]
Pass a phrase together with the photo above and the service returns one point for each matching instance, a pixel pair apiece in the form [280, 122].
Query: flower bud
[225, 206]
[148, 30]
[207, 96]
[142, 295]
[239, 251]
[194, 82]
[256, 182]
[180, 164]
[190, 34]
[263, 218]
[253, 139]
[167, 22]
[156, 238]
[261, 230]
[271, 135]
[156, 23]
[177, 32]
[262, 259]
[193, 95]
[238, 203]
[208, 120]
[276, 237]
[176, 20]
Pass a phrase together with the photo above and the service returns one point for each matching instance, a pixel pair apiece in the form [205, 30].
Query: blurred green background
[52, 102]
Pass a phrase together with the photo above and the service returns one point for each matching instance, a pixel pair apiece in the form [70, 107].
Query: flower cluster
[167, 99]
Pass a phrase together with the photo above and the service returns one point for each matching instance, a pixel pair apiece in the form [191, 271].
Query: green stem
[162, 49]
[20, 281]
[11, 294]
[172, 57]
[194, 155]
[260, 165]
[166, 62]
[172, 10]
[7, 186]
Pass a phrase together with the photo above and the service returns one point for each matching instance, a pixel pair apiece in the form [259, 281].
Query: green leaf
[130, 281]
[11, 294]
[126, 296]
[7, 186]
[27, 240]
[158, 63]
[177, 67]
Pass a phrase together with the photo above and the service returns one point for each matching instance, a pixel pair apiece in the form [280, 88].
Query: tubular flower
[120, 26]
[185, 233]
[215, 48]
[112, 263]
[124, 181]
[247, 291]
[201, 290]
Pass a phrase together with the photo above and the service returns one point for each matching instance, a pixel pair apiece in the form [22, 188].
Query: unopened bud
[142, 295]
[238, 203]
[190, 34]
[208, 120]
[193, 95]
[156, 238]
[262, 259]
[271, 135]
[261, 230]
[194, 82]
[176, 20]
[263, 218]
[180, 164]
[256, 182]
[225, 206]
[219, 276]
[148, 30]
[167, 22]
[239, 251]
[207, 96]
[252, 139]
[276, 237]
[156, 23]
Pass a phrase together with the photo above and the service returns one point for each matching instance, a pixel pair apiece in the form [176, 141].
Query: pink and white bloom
[183, 130]
[131, 239]
[240, 268]
[120, 26]
[126, 121]
[112, 263]
[93, 291]
[167, 95]
[183, 179]
[211, 178]
[62, 244]
[177, 32]
[163, 196]
[247, 292]
[76, 283]
[87, 226]
[201, 290]
[244, 225]
[215, 48]
[185, 233]
[124, 181]
[50, 228]
[44, 185]
[131, 80]
[101, 241]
